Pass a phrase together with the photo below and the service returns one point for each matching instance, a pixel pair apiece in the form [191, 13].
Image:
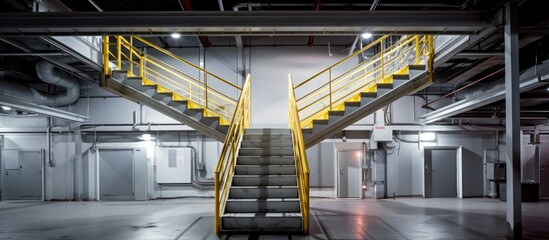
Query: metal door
[440, 173]
[22, 174]
[30, 187]
[349, 174]
[116, 174]
[544, 171]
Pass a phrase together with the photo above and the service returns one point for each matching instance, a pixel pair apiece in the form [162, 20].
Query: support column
[512, 120]
[78, 172]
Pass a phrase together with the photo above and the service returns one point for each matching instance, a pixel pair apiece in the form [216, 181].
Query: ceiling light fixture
[176, 35]
[6, 108]
[366, 35]
[146, 137]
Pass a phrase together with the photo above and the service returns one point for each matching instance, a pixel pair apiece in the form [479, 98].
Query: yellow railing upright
[224, 170]
[141, 58]
[301, 163]
[346, 79]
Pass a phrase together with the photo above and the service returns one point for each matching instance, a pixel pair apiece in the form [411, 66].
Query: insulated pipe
[47, 73]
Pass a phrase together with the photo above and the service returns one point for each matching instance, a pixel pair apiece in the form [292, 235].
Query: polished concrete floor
[192, 218]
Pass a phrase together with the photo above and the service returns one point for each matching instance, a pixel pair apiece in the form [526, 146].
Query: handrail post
[106, 52]
[217, 203]
[141, 66]
[131, 55]
[330, 86]
[119, 51]
[206, 94]
[431, 57]
[417, 48]
[382, 47]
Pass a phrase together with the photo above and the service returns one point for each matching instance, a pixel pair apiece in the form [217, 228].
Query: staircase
[341, 95]
[264, 194]
[147, 78]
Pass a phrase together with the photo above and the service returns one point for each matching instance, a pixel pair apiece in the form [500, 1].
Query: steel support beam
[245, 22]
[512, 123]
[40, 109]
[480, 100]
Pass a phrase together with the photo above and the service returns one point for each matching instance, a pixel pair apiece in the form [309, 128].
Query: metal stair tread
[265, 175]
[265, 187]
[263, 200]
[261, 214]
[265, 165]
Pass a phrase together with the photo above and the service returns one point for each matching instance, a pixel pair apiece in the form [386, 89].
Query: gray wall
[269, 106]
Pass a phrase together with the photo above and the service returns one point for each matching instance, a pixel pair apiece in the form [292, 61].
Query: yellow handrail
[141, 58]
[345, 80]
[224, 170]
[301, 163]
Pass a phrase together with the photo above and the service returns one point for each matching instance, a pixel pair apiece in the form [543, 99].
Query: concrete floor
[192, 218]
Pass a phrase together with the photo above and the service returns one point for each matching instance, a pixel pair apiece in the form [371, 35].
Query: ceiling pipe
[188, 7]
[316, 7]
[464, 87]
[49, 74]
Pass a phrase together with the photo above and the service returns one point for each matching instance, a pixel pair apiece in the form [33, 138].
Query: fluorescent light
[146, 137]
[6, 108]
[366, 35]
[427, 136]
[176, 35]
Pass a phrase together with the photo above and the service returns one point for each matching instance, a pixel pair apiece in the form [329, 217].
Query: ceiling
[476, 66]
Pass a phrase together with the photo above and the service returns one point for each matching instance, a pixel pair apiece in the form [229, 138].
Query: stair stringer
[132, 94]
[411, 86]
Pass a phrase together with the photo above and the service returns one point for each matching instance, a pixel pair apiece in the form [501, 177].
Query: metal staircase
[348, 91]
[262, 177]
[264, 193]
[169, 84]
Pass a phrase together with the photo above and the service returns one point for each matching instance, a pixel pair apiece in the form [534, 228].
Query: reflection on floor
[192, 218]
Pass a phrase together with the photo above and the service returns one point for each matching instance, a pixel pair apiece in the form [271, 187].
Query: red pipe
[187, 6]
[316, 7]
[464, 87]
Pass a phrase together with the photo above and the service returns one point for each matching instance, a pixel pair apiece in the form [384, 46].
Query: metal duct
[525, 75]
[49, 74]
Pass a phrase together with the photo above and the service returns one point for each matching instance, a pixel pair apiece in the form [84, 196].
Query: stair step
[415, 70]
[210, 121]
[264, 180]
[265, 169]
[266, 144]
[238, 192]
[262, 222]
[266, 152]
[268, 137]
[267, 131]
[265, 160]
[180, 105]
[119, 75]
[384, 86]
[163, 97]
[270, 205]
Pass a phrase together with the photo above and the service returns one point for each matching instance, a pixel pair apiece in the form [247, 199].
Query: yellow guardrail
[171, 73]
[224, 170]
[330, 88]
[301, 163]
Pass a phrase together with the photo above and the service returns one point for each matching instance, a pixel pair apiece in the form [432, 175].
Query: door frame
[98, 169]
[337, 175]
[459, 170]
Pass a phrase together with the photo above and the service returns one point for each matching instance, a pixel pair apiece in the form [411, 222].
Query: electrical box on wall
[173, 165]
[382, 133]
[495, 171]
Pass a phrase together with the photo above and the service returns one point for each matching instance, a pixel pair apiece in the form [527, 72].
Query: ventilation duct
[48, 73]
[526, 75]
